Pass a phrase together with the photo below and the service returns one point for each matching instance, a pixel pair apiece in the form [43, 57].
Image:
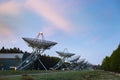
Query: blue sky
[89, 28]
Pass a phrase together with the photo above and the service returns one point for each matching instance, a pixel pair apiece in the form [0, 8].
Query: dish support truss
[73, 66]
[30, 59]
[74, 63]
[59, 64]
[62, 61]
[33, 57]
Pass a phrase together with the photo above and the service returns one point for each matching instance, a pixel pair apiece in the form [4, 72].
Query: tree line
[112, 62]
[11, 50]
[47, 60]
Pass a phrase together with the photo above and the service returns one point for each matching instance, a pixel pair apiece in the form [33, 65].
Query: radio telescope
[64, 55]
[38, 46]
[73, 62]
[75, 59]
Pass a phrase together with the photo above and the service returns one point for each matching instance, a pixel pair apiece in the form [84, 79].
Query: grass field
[58, 75]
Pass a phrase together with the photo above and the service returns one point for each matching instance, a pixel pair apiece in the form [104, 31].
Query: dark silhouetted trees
[11, 50]
[106, 63]
[48, 61]
[112, 63]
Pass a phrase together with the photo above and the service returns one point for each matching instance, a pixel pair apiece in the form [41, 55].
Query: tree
[112, 63]
[11, 50]
[106, 63]
[115, 60]
[2, 50]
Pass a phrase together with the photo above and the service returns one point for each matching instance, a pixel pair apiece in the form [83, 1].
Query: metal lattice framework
[73, 62]
[64, 55]
[38, 46]
[82, 64]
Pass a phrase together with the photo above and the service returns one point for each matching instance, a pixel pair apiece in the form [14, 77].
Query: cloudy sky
[89, 28]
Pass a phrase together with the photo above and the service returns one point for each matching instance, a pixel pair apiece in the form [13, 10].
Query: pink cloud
[10, 8]
[7, 34]
[5, 31]
[48, 11]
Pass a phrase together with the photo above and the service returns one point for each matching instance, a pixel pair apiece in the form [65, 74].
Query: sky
[89, 28]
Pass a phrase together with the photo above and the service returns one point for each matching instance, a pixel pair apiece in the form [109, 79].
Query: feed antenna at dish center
[38, 46]
[64, 55]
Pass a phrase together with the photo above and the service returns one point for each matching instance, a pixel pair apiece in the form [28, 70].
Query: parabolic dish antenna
[74, 59]
[73, 62]
[64, 55]
[39, 43]
[38, 46]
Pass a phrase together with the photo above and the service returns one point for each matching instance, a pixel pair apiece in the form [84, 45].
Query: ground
[58, 75]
